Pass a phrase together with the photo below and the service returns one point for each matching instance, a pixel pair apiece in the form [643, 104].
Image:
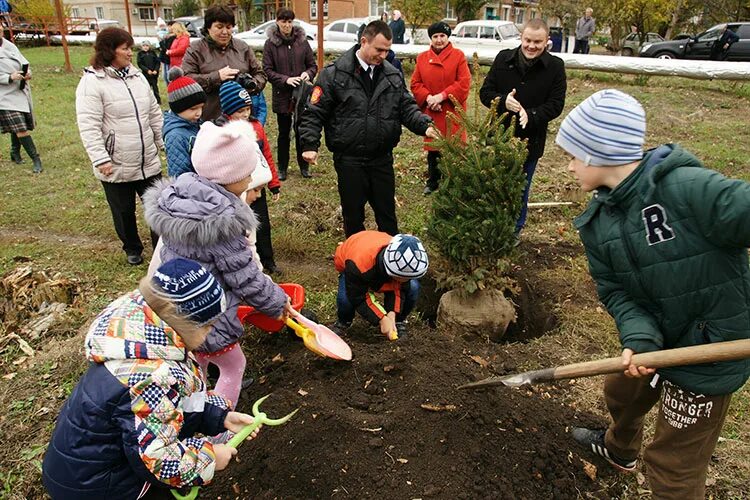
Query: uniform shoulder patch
[316, 93]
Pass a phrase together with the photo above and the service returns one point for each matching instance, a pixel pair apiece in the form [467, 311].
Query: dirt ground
[392, 424]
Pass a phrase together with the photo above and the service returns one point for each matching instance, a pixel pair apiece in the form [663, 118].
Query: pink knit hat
[225, 154]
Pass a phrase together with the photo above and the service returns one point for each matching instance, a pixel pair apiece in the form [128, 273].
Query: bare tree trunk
[675, 20]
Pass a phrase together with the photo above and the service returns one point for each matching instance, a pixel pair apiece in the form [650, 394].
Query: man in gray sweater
[585, 27]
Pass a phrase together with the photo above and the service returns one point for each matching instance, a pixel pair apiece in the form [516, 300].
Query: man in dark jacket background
[288, 62]
[720, 48]
[531, 85]
[398, 27]
[362, 101]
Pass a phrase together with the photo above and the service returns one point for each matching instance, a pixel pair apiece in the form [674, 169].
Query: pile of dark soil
[391, 424]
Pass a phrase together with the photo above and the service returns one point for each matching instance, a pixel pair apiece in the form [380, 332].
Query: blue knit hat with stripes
[194, 290]
[233, 97]
[607, 129]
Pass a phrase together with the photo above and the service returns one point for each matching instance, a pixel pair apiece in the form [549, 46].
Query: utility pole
[320, 35]
[63, 34]
[127, 16]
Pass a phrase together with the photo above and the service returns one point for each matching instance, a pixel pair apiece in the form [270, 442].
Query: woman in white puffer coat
[120, 124]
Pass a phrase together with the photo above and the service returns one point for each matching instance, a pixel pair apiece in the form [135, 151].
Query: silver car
[259, 32]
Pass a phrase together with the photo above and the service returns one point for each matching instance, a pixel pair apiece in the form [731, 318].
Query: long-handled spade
[260, 418]
[709, 353]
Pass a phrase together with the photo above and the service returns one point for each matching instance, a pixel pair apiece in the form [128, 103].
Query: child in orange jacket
[372, 261]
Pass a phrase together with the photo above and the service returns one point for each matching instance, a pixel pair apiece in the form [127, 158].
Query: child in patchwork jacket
[666, 240]
[203, 216]
[132, 421]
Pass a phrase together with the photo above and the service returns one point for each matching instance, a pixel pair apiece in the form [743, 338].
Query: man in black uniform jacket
[362, 101]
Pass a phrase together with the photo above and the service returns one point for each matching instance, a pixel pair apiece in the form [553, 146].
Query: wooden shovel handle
[708, 353]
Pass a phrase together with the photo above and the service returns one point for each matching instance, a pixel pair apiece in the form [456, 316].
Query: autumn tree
[186, 8]
[36, 9]
[568, 11]
[420, 12]
[467, 9]
[619, 15]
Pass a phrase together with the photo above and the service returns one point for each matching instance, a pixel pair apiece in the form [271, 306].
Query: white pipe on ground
[698, 70]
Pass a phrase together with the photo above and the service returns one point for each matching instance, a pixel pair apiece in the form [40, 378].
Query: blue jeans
[346, 310]
[528, 168]
[165, 68]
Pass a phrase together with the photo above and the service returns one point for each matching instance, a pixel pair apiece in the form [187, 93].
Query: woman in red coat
[440, 72]
[180, 44]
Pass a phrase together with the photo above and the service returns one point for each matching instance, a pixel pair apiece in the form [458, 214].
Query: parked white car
[344, 30]
[259, 32]
[499, 35]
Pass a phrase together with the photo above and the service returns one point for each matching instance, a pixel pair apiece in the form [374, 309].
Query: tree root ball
[485, 312]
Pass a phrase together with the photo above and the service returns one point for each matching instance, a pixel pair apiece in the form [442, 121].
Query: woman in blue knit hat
[666, 240]
[133, 421]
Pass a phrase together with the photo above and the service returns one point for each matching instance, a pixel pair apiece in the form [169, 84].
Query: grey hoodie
[200, 220]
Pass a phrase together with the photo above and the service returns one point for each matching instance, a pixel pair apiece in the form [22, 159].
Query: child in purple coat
[203, 216]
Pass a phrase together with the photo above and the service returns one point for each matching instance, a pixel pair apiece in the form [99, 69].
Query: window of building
[100, 12]
[146, 14]
[74, 12]
[505, 16]
[167, 13]
[489, 13]
[450, 12]
[533, 14]
[314, 9]
[519, 13]
[377, 7]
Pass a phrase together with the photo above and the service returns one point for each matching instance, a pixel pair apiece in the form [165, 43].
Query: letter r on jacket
[655, 220]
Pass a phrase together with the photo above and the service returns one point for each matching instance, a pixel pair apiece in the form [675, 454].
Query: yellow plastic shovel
[307, 336]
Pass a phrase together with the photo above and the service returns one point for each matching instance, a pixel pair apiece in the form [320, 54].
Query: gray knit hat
[608, 128]
[183, 92]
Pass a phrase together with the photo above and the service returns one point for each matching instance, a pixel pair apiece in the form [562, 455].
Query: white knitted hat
[608, 128]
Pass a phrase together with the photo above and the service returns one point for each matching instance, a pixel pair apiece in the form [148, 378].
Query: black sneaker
[594, 439]
[340, 327]
[402, 328]
[272, 269]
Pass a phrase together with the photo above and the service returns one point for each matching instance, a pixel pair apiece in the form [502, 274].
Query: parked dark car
[699, 47]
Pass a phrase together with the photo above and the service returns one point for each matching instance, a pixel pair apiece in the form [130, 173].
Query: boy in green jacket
[666, 240]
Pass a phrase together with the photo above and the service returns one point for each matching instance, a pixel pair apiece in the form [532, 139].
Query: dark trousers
[263, 234]
[153, 80]
[346, 310]
[367, 180]
[687, 429]
[433, 169]
[121, 200]
[528, 168]
[581, 47]
[283, 143]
